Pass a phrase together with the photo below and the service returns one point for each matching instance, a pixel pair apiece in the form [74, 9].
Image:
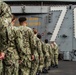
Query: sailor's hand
[2, 55]
[32, 57]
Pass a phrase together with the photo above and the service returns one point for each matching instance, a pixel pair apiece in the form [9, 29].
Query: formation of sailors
[22, 52]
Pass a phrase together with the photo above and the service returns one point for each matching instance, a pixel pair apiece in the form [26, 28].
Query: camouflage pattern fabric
[29, 47]
[11, 65]
[4, 22]
[5, 10]
[41, 55]
[1, 67]
[35, 63]
[54, 53]
[48, 57]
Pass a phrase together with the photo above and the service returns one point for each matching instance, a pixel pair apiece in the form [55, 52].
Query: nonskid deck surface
[65, 68]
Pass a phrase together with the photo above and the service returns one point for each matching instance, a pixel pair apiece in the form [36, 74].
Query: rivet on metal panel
[64, 36]
[70, 6]
[49, 33]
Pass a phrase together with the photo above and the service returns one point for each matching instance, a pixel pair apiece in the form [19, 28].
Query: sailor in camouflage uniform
[43, 53]
[41, 56]
[11, 65]
[35, 64]
[29, 46]
[48, 58]
[55, 53]
[5, 20]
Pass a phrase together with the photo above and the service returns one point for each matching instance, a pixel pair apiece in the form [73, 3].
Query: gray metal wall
[49, 19]
[46, 29]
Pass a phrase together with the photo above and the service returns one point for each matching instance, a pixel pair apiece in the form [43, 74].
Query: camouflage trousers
[41, 64]
[34, 67]
[11, 69]
[25, 65]
[54, 60]
[24, 71]
[11, 62]
[47, 62]
[1, 67]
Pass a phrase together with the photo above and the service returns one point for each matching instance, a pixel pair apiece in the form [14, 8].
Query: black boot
[53, 66]
[44, 70]
[56, 66]
[38, 72]
[49, 68]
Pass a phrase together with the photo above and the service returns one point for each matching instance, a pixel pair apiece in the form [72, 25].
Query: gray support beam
[30, 9]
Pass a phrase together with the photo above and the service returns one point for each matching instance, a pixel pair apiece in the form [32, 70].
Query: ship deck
[65, 68]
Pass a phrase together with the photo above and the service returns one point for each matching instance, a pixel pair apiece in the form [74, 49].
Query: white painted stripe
[75, 22]
[60, 20]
